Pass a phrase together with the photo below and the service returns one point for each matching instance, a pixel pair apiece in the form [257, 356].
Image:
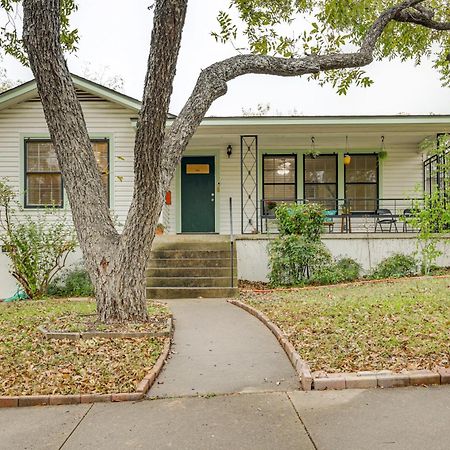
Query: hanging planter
[382, 154]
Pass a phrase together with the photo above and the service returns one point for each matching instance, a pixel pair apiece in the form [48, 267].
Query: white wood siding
[103, 118]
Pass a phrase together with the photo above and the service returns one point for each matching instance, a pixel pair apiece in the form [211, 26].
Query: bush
[72, 283]
[302, 220]
[395, 266]
[37, 248]
[294, 260]
[344, 269]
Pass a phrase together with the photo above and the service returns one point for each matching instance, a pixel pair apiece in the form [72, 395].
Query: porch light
[229, 151]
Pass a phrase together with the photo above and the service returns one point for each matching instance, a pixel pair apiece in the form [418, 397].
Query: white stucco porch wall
[253, 260]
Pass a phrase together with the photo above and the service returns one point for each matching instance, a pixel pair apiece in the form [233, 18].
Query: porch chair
[328, 221]
[385, 217]
[406, 213]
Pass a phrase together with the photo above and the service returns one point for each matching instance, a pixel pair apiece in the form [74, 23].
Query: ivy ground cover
[376, 326]
[33, 365]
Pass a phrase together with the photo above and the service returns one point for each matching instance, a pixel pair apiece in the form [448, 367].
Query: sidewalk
[400, 419]
[218, 349]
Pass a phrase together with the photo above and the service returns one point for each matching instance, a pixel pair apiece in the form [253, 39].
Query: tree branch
[423, 17]
[212, 82]
[168, 26]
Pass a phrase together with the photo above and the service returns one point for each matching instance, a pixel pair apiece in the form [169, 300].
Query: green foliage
[37, 247]
[395, 266]
[334, 26]
[11, 37]
[432, 220]
[303, 220]
[431, 217]
[294, 260]
[73, 282]
[344, 269]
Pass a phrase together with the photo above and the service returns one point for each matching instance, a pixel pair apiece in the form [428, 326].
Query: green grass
[389, 325]
[30, 364]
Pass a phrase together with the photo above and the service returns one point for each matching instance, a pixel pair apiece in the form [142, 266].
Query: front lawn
[32, 365]
[389, 325]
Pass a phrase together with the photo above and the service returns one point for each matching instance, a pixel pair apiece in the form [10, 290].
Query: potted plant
[160, 229]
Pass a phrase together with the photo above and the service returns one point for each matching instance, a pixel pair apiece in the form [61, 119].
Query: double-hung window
[279, 180]
[361, 183]
[320, 180]
[43, 180]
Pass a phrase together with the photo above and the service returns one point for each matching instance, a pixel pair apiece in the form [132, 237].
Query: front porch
[366, 171]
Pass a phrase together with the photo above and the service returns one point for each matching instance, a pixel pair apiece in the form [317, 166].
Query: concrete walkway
[377, 419]
[219, 348]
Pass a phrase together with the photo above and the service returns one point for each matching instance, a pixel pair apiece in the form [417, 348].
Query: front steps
[191, 267]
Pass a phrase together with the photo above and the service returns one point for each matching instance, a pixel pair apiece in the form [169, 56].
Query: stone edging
[357, 380]
[72, 399]
[300, 366]
[73, 335]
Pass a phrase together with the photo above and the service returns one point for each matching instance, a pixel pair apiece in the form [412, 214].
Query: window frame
[365, 183]
[336, 183]
[265, 213]
[27, 172]
[62, 205]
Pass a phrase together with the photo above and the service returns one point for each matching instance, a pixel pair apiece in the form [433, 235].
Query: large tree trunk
[116, 262]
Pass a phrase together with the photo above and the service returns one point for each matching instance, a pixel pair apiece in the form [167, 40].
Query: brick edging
[73, 399]
[352, 380]
[300, 366]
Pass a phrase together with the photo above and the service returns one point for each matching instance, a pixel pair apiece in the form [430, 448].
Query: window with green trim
[279, 180]
[320, 180]
[43, 180]
[362, 182]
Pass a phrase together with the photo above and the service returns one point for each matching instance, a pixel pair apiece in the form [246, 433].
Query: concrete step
[190, 292]
[217, 246]
[190, 254]
[193, 262]
[190, 272]
[190, 282]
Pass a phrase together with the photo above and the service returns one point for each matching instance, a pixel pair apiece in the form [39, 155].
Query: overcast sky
[115, 33]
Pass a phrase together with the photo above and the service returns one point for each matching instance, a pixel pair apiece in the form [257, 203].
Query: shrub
[294, 260]
[395, 266]
[37, 247]
[302, 220]
[344, 269]
[73, 282]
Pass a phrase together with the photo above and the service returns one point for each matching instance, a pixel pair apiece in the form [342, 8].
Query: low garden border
[320, 381]
[71, 399]
[345, 284]
[74, 335]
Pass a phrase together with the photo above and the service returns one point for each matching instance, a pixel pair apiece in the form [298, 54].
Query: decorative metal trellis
[249, 184]
[435, 172]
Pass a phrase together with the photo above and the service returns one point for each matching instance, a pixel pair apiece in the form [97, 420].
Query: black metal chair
[406, 213]
[385, 217]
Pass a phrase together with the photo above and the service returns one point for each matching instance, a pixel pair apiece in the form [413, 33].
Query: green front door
[198, 194]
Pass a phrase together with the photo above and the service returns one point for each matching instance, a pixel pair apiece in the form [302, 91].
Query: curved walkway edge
[220, 349]
[357, 380]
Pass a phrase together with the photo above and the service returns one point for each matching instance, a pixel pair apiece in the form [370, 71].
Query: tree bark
[117, 263]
